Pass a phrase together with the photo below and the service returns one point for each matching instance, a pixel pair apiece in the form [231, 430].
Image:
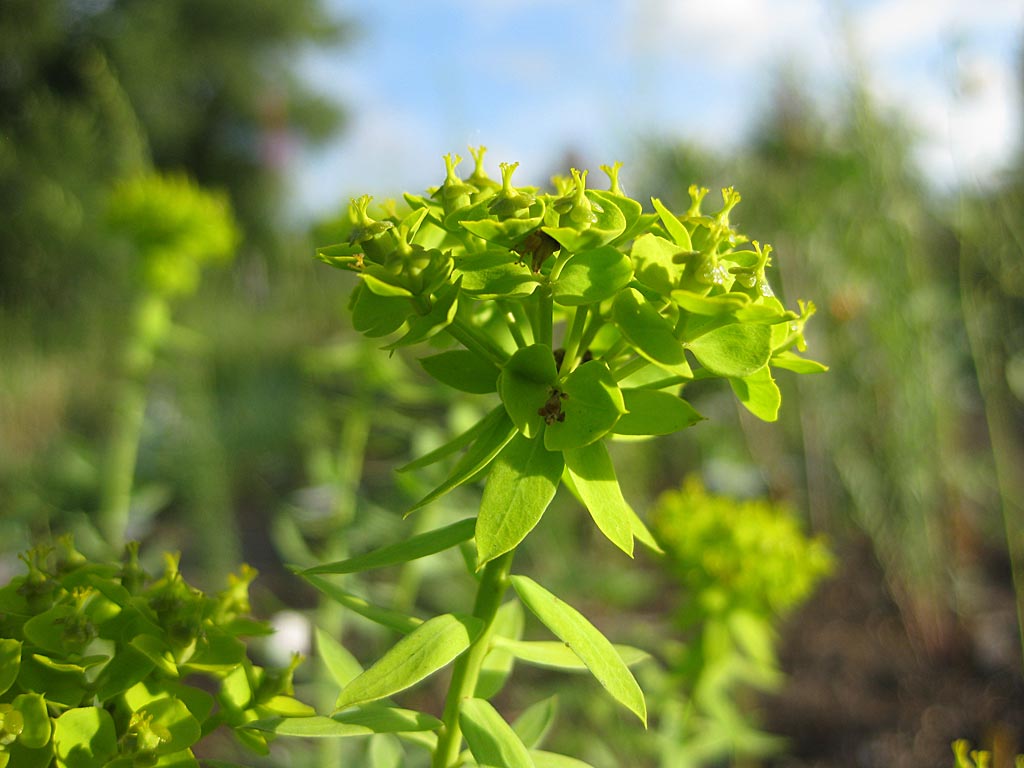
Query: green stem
[629, 368]
[572, 340]
[494, 582]
[128, 412]
[522, 320]
[544, 332]
[514, 327]
[473, 340]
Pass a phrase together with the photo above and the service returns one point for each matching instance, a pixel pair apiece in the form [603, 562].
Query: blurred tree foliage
[92, 90]
[893, 438]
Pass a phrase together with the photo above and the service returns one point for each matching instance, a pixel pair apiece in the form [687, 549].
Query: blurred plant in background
[742, 567]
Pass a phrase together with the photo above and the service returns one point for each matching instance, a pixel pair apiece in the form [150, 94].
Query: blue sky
[536, 79]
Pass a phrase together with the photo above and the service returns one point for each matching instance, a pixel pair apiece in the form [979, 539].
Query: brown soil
[862, 694]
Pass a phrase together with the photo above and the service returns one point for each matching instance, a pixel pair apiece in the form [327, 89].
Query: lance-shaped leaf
[375, 613]
[653, 412]
[457, 443]
[428, 648]
[593, 476]
[673, 226]
[554, 655]
[521, 484]
[481, 453]
[543, 759]
[424, 544]
[492, 741]
[363, 721]
[525, 385]
[341, 665]
[593, 648]
[591, 403]
[759, 394]
[463, 370]
[498, 663]
[793, 362]
[592, 276]
[733, 350]
[534, 723]
[650, 334]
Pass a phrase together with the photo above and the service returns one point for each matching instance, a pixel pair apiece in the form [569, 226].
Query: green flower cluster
[174, 228]
[94, 657]
[586, 315]
[730, 554]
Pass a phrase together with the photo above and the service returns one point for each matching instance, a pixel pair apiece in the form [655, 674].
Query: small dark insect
[538, 246]
[552, 409]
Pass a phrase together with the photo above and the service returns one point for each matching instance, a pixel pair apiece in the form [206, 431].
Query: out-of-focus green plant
[579, 316]
[976, 758]
[103, 665]
[171, 228]
[742, 566]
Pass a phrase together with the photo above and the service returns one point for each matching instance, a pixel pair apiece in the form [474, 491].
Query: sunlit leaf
[492, 741]
[593, 648]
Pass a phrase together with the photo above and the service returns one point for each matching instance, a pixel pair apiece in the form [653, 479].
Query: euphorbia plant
[581, 317]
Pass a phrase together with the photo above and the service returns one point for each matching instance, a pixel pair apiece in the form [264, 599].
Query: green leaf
[463, 370]
[385, 751]
[654, 265]
[712, 306]
[555, 655]
[555, 760]
[286, 706]
[378, 281]
[793, 362]
[479, 455]
[673, 226]
[36, 730]
[341, 665]
[156, 650]
[84, 737]
[592, 406]
[363, 721]
[375, 315]
[173, 716]
[593, 475]
[498, 663]
[593, 648]
[534, 723]
[733, 350]
[493, 417]
[412, 549]
[491, 740]
[521, 484]
[650, 334]
[383, 616]
[426, 649]
[759, 394]
[10, 662]
[439, 317]
[495, 274]
[653, 412]
[525, 384]
[592, 276]
[127, 667]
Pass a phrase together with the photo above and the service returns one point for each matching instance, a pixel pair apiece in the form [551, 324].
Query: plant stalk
[494, 582]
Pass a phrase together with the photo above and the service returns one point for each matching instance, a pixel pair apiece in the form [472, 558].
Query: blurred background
[232, 415]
